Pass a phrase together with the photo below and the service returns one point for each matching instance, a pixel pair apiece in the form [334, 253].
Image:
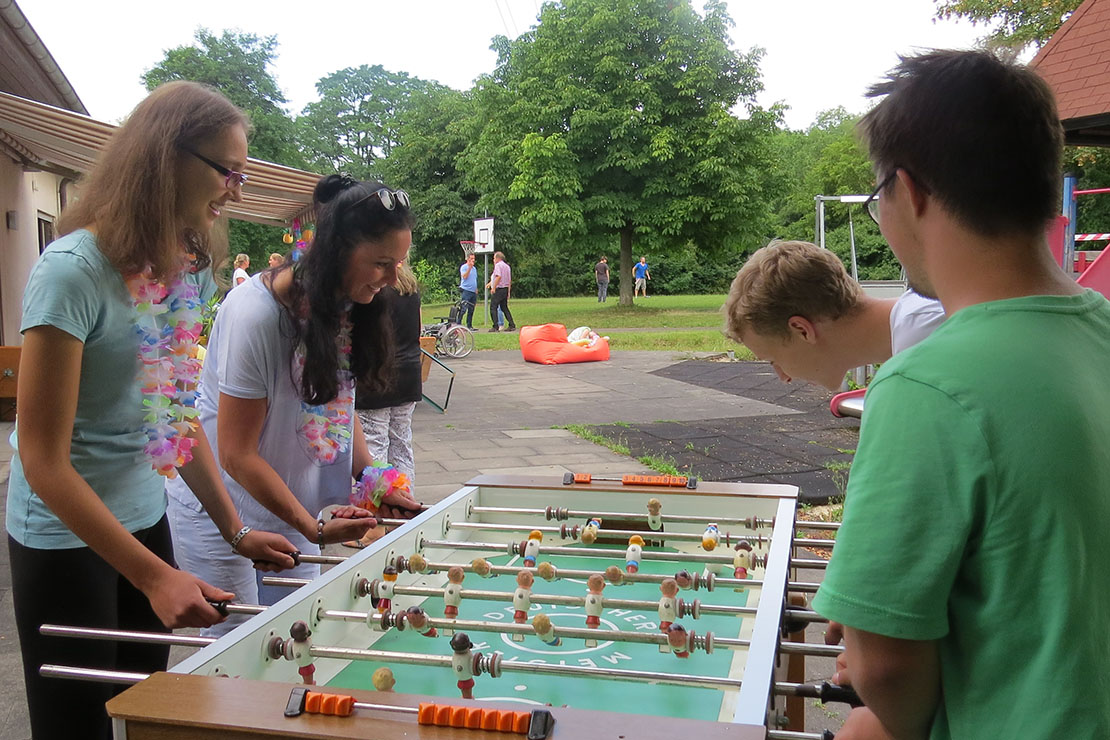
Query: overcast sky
[819, 53]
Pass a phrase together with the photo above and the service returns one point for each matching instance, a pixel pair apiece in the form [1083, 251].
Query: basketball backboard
[483, 234]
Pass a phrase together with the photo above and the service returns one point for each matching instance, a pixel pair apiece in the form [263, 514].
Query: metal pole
[91, 674]
[1071, 210]
[589, 552]
[552, 512]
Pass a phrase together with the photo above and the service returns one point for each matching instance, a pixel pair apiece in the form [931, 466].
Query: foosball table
[552, 608]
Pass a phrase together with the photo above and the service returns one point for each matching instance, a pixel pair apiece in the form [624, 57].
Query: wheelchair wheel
[457, 341]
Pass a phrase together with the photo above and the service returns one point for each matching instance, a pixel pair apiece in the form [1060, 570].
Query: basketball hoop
[468, 247]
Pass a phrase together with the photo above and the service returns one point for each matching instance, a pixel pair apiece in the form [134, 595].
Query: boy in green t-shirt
[970, 572]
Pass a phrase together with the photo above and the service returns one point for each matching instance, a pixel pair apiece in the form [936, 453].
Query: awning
[56, 140]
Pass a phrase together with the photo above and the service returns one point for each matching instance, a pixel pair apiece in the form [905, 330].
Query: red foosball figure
[418, 620]
[299, 650]
[668, 605]
[678, 640]
[462, 663]
[452, 592]
[522, 597]
[594, 602]
[385, 589]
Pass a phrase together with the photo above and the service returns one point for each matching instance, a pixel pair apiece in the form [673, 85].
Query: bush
[438, 284]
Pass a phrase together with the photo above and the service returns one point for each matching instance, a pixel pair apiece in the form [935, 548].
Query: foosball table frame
[234, 689]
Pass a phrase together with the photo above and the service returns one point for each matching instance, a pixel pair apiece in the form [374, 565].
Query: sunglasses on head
[389, 198]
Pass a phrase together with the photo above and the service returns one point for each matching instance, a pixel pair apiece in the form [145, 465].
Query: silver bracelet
[320, 532]
[239, 538]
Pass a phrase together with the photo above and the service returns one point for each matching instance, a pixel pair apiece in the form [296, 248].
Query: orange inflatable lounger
[548, 345]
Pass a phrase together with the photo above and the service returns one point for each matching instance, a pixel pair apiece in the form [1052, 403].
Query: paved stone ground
[718, 420]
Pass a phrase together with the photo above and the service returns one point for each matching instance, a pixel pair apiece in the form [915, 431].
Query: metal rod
[805, 524]
[385, 707]
[152, 638]
[323, 559]
[801, 563]
[589, 552]
[618, 674]
[562, 600]
[512, 570]
[563, 514]
[792, 735]
[573, 533]
[95, 675]
[813, 542]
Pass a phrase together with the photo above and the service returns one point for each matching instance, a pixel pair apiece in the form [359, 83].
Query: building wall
[31, 196]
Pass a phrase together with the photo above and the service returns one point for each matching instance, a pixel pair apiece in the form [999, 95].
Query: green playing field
[590, 693]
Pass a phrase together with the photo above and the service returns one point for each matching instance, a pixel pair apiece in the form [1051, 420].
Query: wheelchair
[452, 338]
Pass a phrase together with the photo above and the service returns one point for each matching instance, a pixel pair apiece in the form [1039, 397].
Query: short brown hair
[130, 194]
[784, 279]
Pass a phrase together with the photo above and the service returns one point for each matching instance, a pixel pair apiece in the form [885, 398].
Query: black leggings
[76, 587]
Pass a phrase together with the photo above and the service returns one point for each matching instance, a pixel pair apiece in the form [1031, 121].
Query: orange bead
[345, 705]
[443, 715]
[458, 716]
[312, 702]
[426, 713]
[327, 704]
[473, 717]
[491, 719]
[505, 723]
[521, 720]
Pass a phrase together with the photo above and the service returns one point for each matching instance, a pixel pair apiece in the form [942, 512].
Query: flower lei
[327, 428]
[168, 322]
[377, 479]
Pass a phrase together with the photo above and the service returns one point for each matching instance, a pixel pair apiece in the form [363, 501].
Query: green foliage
[238, 65]
[614, 118]
[1018, 23]
[1092, 166]
[438, 284]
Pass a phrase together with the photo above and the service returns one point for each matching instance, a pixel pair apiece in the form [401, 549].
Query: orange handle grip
[339, 705]
[473, 718]
[675, 481]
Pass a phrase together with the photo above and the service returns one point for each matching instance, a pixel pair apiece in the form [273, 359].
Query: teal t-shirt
[977, 515]
[73, 287]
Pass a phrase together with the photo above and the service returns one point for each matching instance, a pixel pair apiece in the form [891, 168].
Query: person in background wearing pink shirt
[499, 291]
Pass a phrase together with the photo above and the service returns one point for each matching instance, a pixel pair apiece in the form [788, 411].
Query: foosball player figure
[590, 531]
[668, 607]
[655, 518]
[595, 584]
[678, 640]
[522, 600]
[710, 538]
[541, 623]
[417, 564]
[741, 562]
[614, 575]
[299, 650]
[633, 554]
[547, 571]
[418, 620]
[452, 594]
[684, 579]
[462, 663]
[532, 548]
[383, 680]
[481, 567]
[385, 589]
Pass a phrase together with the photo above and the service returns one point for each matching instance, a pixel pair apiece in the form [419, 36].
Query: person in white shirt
[794, 305]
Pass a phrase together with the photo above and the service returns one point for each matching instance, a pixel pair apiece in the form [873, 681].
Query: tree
[353, 126]
[238, 66]
[614, 117]
[1019, 22]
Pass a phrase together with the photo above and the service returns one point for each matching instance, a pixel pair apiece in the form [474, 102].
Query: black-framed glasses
[871, 205]
[232, 179]
[389, 198]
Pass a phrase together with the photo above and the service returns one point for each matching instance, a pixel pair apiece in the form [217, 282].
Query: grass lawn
[679, 323]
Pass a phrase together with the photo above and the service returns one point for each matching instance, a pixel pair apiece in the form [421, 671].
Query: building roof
[47, 138]
[26, 67]
[1076, 64]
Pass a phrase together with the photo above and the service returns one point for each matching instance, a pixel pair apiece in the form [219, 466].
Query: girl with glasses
[111, 317]
[278, 387]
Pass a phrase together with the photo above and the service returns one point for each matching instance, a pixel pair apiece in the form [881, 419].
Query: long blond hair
[406, 280]
[130, 194]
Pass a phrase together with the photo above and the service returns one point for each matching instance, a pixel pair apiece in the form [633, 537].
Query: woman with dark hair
[111, 315]
[277, 390]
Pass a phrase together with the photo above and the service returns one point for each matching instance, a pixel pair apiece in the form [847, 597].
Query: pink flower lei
[327, 428]
[377, 480]
[168, 321]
